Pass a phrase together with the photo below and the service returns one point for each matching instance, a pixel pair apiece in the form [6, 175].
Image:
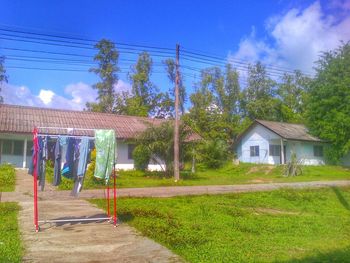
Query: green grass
[278, 226]
[7, 178]
[10, 242]
[230, 174]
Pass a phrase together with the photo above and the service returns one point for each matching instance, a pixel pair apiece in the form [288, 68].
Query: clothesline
[70, 136]
[110, 160]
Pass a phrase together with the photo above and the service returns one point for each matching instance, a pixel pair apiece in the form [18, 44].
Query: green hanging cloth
[105, 152]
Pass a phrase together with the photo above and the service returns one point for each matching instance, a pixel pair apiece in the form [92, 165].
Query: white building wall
[260, 136]
[263, 137]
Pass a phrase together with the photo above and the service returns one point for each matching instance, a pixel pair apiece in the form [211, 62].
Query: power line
[80, 39]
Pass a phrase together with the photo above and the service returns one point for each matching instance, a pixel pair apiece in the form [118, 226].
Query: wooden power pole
[176, 128]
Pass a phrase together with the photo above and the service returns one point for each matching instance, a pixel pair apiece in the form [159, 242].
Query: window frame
[254, 151]
[318, 150]
[131, 148]
[272, 150]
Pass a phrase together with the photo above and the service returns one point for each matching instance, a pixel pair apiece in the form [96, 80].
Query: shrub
[293, 167]
[213, 154]
[7, 178]
[141, 155]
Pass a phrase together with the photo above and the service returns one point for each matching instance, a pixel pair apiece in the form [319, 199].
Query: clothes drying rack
[70, 133]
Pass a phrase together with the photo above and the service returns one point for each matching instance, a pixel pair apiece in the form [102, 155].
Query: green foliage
[141, 156]
[293, 167]
[213, 154]
[107, 59]
[11, 249]
[7, 178]
[159, 140]
[276, 226]
[3, 76]
[329, 102]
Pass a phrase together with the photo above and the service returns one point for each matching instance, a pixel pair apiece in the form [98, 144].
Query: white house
[263, 141]
[17, 124]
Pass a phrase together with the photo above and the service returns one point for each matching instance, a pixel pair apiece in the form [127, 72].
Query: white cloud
[46, 95]
[75, 97]
[296, 38]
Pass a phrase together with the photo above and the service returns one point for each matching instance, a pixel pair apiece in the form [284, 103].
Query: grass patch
[243, 173]
[10, 242]
[7, 178]
[278, 226]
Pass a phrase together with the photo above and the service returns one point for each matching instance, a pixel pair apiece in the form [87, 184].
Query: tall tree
[145, 99]
[292, 91]
[215, 104]
[258, 100]
[107, 60]
[329, 101]
[3, 76]
[171, 72]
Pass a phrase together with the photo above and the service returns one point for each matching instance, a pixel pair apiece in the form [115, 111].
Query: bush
[293, 168]
[141, 155]
[7, 178]
[213, 154]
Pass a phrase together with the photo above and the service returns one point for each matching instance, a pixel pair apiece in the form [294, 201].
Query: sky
[284, 35]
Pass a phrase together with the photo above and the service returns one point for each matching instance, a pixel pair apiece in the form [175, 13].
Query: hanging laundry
[57, 166]
[68, 165]
[43, 154]
[105, 153]
[84, 157]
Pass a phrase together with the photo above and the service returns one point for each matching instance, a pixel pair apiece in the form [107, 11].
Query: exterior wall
[304, 152]
[124, 163]
[263, 137]
[23, 160]
[20, 160]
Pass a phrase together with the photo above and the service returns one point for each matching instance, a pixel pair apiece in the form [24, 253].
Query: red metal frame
[35, 189]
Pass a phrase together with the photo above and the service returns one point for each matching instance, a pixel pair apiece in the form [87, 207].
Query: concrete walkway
[78, 242]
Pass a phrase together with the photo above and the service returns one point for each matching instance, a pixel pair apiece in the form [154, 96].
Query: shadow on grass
[341, 199]
[341, 255]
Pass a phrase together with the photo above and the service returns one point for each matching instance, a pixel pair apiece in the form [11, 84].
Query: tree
[159, 142]
[292, 91]
[3, 76]
[107, 59]
[328, 111]
[258, 101]
[215, 104]
[170, 67]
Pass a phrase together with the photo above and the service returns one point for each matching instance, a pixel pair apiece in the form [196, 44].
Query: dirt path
[78, 242]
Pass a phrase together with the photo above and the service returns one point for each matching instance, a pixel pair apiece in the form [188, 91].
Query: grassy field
[10, 242]
[7, 178]
[230, 174]
[277, 226]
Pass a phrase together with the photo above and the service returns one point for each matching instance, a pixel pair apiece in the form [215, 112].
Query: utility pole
[176, 128]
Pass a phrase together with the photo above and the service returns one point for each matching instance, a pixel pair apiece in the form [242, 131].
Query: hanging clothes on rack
[43, 154]
[105, 153]
[57, 165]
[83, 159]
[68, 163]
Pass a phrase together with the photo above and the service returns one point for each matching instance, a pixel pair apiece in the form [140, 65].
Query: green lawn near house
[10, 242]
[230, 174]
[7, 178]
[287, 225]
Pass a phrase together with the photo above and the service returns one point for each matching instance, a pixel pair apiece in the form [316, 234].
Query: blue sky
[283, 34]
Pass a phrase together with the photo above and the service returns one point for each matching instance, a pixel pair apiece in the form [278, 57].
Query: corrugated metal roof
[289, 131]
[22, 119]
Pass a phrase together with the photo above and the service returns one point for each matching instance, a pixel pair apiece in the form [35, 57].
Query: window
[131, 148]
[29, 148]
[254, 151]
[275, 150]
[18, 147]
[318, 150]
[6, 147]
